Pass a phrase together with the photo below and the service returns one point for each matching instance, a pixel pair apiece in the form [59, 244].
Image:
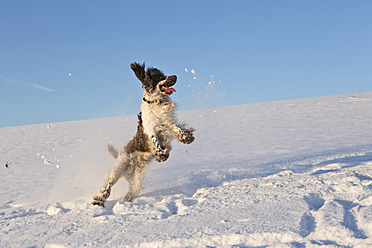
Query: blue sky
[69, 60]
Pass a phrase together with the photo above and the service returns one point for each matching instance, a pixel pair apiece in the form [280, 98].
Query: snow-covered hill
[294, 173]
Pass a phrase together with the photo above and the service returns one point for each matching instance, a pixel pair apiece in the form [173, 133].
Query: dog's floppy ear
[139, 70]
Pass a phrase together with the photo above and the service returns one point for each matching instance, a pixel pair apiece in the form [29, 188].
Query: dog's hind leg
[103, 194]
[135, 177]
[111, 179]
[134, 186]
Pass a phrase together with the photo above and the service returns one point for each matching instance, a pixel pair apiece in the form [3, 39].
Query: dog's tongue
[168, 89]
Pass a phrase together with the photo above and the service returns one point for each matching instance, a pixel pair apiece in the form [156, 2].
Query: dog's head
[153, 79]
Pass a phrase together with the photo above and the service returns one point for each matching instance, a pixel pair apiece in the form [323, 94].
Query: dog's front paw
[186, 136]
[161, 152]
[161, 155]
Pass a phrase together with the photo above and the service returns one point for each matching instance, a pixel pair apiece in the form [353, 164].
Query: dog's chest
[157, 117]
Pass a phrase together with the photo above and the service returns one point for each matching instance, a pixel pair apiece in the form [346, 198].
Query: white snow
[294, 173]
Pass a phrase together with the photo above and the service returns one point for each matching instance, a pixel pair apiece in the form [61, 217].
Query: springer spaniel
[157, 127]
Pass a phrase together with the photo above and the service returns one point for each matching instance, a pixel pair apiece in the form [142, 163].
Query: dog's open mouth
[165, 86]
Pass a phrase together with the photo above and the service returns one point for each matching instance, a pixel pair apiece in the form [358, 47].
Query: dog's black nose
[172, 78]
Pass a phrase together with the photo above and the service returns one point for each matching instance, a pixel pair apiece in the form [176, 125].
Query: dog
[157, 127]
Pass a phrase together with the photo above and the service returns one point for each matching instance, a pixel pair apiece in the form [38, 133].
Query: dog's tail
[112, 150]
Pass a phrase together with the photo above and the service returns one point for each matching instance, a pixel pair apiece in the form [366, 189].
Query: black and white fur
[157, 127]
